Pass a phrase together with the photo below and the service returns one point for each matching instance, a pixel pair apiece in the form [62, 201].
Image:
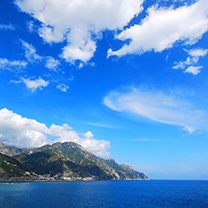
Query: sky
[126, 79]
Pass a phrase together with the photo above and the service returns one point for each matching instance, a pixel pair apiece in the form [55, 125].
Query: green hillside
[65, 161]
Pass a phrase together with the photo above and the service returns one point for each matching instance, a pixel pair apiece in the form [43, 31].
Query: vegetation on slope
[67, 160]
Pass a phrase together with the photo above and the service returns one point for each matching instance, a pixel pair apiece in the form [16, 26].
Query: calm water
[106, 194]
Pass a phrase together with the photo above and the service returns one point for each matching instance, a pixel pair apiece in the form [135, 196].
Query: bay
[105, 194]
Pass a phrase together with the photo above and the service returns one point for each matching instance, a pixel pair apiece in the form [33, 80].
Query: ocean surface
[105, 194]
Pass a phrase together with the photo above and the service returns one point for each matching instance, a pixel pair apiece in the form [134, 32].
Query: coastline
[17, 179]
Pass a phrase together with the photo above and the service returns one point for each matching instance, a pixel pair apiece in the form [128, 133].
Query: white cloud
[100, 125]
[198, 52]
[193, 70]
[62, 87]
[163, 27]
[71, 78]
[52, 63]
[7, 27]
[79, 50]
[30, 52]
[87, 140]
[193, 59]
[189, 129]
[183, 64]
[31, 26]
[78, 23]
[145, 140]
[23, 132]
[7, 64]
[35, 84]
[16, 81]
[165, 107]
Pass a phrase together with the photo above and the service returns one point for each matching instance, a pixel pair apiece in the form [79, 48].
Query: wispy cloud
[7, 27]
[183, 64]
[169, 107]
[191, 61]
[30, 52]
[31, 27]
[10, 65]
[16, 81]
[52, 63]
[35, 84]
[100, 125]
[23, 132]
[189, 129]
[145, 140]
[62, 87]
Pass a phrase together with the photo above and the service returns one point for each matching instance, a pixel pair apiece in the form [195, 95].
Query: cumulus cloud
[35, 84]
[78, 23]
[8, 64]
[86, 140]
[62, 87]
[23, 132]
[30, 52]
[79, 50]
[163, 27]
[165, 107]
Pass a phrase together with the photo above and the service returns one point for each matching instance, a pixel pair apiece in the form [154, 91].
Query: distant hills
[60, 161]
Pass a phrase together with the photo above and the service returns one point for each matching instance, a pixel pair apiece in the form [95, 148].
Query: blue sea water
[105, 194]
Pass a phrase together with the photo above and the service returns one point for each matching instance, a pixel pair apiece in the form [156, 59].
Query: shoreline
[75, 180]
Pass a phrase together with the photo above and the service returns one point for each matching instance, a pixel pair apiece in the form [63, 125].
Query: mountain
[69, 161]
[10, 167]
[9, 150]
[125, 171]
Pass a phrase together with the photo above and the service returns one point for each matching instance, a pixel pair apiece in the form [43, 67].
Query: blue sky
[125, 79]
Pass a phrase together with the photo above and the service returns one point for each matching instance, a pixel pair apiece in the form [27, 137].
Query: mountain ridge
[63, 161]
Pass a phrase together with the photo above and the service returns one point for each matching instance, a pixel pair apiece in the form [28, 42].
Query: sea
[105, 194]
